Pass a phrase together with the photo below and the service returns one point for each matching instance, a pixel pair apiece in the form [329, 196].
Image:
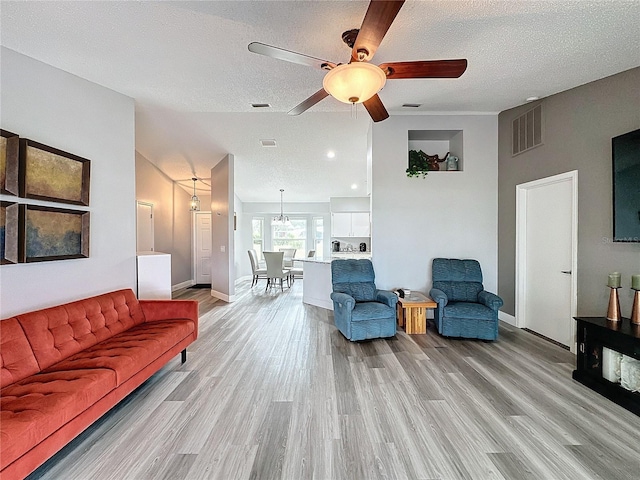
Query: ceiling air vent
[268, 142]
[526, 131]
[260, 105]
[411, 105]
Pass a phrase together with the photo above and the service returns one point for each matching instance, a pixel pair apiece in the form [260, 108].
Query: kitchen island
[316, 286]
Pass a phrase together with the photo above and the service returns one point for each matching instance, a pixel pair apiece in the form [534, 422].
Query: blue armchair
[464, 308]
[360, 310]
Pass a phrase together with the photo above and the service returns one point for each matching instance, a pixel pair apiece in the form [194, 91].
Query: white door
[547, 256]
[203, 247]
[144, 227]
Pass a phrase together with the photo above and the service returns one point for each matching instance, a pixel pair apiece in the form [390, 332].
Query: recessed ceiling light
[331, 154]
[532, 99]
[354, 186]
[268, 142]
[411, 105]
[260, 105]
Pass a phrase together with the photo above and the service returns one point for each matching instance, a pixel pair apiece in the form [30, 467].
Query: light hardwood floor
[271, 390]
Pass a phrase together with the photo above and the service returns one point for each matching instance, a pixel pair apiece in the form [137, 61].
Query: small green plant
[421, 163]
[418, 164]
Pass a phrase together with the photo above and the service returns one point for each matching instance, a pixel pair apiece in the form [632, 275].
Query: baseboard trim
[550, 340]
[182, 285]
[223, 296]
[505, 317]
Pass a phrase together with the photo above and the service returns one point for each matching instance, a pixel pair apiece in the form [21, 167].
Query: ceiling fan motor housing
[349, 37]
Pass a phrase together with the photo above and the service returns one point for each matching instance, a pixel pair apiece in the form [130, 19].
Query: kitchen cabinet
[360, 226]
[341, 225]
[350, 224]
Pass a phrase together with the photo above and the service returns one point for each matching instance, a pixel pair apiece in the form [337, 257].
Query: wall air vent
[526, 131]
[268, 142]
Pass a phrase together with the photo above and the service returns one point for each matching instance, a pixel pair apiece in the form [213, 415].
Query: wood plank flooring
[271, 390]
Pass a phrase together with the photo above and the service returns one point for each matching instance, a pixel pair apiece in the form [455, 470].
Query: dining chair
[276, 270]
[289, 253]
[257, 271]
[298, 271]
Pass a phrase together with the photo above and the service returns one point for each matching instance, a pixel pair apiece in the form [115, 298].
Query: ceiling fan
[359, 81]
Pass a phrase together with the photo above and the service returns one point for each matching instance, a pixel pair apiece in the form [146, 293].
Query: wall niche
[438, 142]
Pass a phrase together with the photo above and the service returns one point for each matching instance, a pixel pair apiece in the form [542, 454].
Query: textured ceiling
[193, 79]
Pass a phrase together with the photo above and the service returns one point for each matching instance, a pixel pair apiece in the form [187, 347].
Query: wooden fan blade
[376, 109]
[309, 102]
[425, 69]
[288, 56]
[377, 20]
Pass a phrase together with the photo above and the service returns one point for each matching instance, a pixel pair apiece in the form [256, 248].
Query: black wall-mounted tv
[626, 187]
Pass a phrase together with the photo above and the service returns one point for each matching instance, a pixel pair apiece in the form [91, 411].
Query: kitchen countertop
[340, 256]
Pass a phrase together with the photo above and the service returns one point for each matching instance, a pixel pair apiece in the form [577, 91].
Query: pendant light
[195, 201]
[282, 218]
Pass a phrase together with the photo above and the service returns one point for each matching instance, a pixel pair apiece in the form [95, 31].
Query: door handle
[568, 272]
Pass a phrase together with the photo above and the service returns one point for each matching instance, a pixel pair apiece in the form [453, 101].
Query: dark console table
[594, 333]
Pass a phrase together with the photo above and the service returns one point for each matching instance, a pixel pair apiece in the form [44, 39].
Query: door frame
[521, 245]
[153, 233]
[194, 244]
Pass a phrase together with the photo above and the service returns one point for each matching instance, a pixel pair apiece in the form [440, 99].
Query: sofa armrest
[343, 299]
[439, 297]
[491, 300]
[388, 298]
[159, 310]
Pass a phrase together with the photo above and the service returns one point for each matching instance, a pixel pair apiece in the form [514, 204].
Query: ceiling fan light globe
[357, 80]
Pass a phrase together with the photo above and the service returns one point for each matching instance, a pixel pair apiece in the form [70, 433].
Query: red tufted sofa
[63, 367]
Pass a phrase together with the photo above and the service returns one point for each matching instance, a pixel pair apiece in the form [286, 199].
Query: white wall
[56, 108]
[447, 214]
[350, 204]
[171, 217]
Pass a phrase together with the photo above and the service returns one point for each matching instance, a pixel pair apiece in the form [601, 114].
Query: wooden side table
[412, 312]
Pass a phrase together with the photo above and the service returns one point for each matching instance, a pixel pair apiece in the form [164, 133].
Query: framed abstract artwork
[8, 232]
[47, 173]
[9, 149]
[48, 233]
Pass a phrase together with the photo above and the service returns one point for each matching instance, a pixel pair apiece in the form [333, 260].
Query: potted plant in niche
[420, 163]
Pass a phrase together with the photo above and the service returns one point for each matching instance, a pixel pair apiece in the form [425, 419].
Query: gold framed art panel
[47, 173]
[9, 163]
[9, 226]
[49, 233]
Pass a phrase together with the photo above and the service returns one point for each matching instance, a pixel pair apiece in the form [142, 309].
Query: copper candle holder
[635, 311]
[613, 311]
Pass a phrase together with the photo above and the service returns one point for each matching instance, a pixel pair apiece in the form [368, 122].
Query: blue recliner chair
[464, 308]
[360, 310]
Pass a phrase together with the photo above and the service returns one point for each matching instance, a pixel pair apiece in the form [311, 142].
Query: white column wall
[447, 214]
[53, 107]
